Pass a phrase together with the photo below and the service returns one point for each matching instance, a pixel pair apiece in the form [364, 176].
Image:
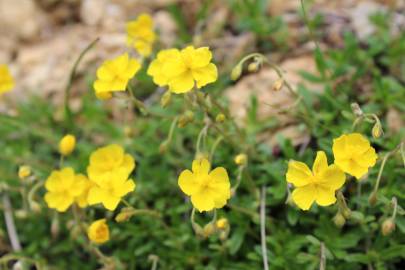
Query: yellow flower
[81, 199]
[319, 185]
[63, 187]
[113, 75]
[110, 192]
[98, 232]
[109, 170]
[182, 70]
[24, 171]
[6, 80]
[107, 161]
[353, 154]
[141, 35]
[208, 190]
[67, 145]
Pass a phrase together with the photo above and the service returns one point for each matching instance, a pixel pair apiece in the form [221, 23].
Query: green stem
[68, 112]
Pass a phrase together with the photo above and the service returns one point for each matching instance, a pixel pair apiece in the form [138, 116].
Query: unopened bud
[21, 214]
[166, 98]
[124, 215]
[388, 226]
[24, 172]
[372, 200]
[67, 145]
[339, 220]
[220, 118]
[35, 207]
[223, 235]
[377, 130]
[241, 159]
[186, 118]
[253, 67]
[278, 85]
[347, 213]
[163, 146]
[208, 230]
[236, 72]
[222, 223]
[356, 109]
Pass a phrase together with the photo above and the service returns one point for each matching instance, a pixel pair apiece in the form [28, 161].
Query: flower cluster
[107, 181]
[141, 35]
[208, 190]
[109, 170]
[6, 80]
[182, 70]
[353, 155]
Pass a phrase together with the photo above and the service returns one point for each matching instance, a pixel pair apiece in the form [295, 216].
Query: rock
[166, 27]
[92, 11]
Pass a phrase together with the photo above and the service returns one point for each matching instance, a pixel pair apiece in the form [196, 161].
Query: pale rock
[92, 11]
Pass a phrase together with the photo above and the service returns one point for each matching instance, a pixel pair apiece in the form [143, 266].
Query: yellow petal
[111, 202]
[351, 167]
[333, 177]
[182, 83]
[201, 166]
[125, 188]
[104, 73]
[298, 173]
[205, 75]
[339, 147]
[368, 158]
[357, 142]
[132, 68]
[96, 195]
[187, 182]
[325, 196]
[202, 202]
[201, 57]
[320, 163]
[304, 196]
[102, 86]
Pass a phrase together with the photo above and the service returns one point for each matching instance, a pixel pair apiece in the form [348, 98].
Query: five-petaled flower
[113, 75]
[319, 185]
[98, 232]
[182, 70]
[208, 190]
[141, 35]
[63, 187]
[353, 154]
[6, 80]
[109, 170]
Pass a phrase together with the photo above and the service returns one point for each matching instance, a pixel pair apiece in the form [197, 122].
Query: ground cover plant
[156, 169]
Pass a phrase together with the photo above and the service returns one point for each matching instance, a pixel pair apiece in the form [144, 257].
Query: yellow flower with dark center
[318, 185]
[6, 80]
[141, 35]
[113, 75]
[353, 154]
[98, 232]
[182, 70]
[67, 145]
[63, 187]
[208, 190]
[109, 170]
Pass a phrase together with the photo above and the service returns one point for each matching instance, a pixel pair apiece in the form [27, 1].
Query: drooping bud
[24, 171]
[377, 130]
[236, 72]
[388, 226]
[163, 146]
[166, 98]
[253, 67]
[185, 118]
[356, 109]
[278, 85]
[241, 159]
[220, 118]
[222, 223]
[372, 199]
[339, 220]
[208, 230]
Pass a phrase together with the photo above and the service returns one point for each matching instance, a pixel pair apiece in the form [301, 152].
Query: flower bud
[24, 171]
[186, 118]
[208, 230]
[222, 223]
[278, 85]
[236, 72]
[21, 214]
[347, 213]
[241, 159]
[220, 118]
[166, 98]
[35, 207]
[377, 130]
[339, 220]
[388, 226]
[223, 235]
[67, 145]
[124, 215]
[98, 232]
[372, 200]
[253, 67]
[163, 146]
[356, 109]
